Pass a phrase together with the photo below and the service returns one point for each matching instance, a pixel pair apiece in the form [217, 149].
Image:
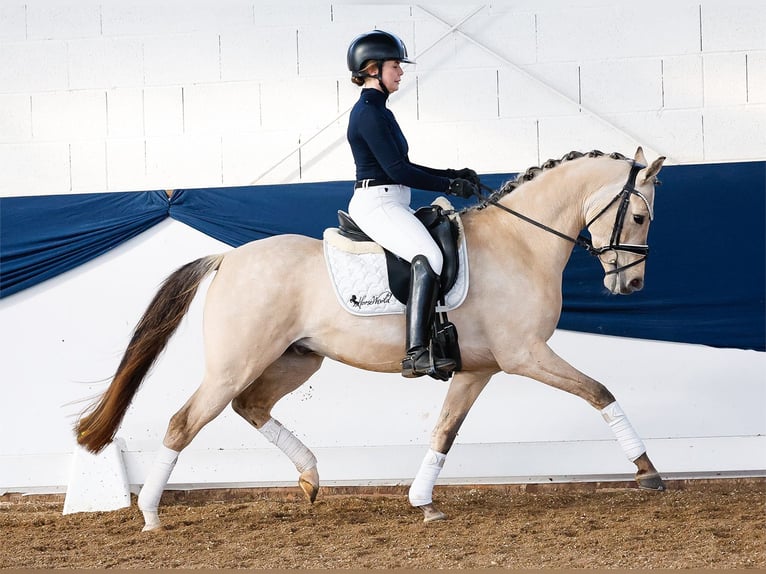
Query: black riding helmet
[378, 46]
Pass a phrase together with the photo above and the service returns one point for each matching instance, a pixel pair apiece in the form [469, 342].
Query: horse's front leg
[461, 395]
[547, 367]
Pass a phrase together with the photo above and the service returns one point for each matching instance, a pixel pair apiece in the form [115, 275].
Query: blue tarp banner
[705, 279]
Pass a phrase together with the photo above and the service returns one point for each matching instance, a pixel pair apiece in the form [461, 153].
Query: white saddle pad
[360, 278]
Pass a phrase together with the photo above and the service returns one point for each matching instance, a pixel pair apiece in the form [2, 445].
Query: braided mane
[533, 172]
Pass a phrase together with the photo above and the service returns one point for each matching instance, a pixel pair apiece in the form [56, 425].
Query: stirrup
[420, 361]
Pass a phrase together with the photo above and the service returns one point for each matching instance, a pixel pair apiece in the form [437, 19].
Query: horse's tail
[97, 427]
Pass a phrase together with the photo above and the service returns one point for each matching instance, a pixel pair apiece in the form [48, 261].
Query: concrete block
[125, 112]
[88, 166]
[443, 99]
[174, 17]
[676, 134]
[181, 59]
[583, 132]
[266, 156]
[266, 14]
[70, 116]
[511, 35]
[552, 89]
[434, 50]
[737, 25]
[54, 20]
[373, 13]
[259, 54]
[735, 133]
[427, 47]
[38, 169]
[222, 108]
[163, 111]
[756, 78]
[725, 79]
[177, 162]
[33, 66]
[13, 25]
[433, 144]
[348, 94]
[322, 49]
[15, 118]
[301, 104]
[619, 86]
[404, 103]
[105, 63]
[616, 31]
[497, 146]
[126, 165]
[327, 157]
[682, 85]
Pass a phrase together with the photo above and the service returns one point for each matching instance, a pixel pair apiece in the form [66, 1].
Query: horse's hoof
[151, 521]
[651, 482]
[309, 483]
[431, 513]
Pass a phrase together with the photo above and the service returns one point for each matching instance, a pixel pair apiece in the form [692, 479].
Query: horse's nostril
[637, 284]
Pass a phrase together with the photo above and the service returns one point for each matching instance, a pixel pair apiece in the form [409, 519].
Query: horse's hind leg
[547, 367]
[204, 405]
[254, 404]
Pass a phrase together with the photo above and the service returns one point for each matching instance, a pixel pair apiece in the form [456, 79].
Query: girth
[444, 232]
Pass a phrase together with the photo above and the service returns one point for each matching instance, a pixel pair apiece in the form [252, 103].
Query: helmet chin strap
[379, 76]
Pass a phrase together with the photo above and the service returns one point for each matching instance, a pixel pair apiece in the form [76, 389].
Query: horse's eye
[639, 219]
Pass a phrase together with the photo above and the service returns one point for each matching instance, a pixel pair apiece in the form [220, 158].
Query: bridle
[623, 200]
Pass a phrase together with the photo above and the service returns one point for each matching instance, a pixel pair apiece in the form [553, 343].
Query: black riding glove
[465, 173]
[462, 188]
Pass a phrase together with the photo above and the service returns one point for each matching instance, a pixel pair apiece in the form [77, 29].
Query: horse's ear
[640, 157]
[650, 173]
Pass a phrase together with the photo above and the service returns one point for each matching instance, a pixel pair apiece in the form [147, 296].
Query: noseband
[623, 197]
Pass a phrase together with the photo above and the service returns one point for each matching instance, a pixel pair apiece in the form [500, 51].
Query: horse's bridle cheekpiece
[585, 242]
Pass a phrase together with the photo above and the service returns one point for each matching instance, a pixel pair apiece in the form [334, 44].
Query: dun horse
[262, 343]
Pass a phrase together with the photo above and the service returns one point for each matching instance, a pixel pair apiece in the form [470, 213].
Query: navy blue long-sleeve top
[380, 148]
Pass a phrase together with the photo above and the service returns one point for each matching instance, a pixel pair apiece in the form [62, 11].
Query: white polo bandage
[157, 479]
[284, 440]
[631, 443]
[422, 488]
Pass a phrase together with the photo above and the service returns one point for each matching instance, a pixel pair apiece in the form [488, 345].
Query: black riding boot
[424, 291]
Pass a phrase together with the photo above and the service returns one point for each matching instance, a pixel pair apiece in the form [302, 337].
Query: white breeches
[383, 212]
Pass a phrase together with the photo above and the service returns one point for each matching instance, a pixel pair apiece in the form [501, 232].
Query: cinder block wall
[131, 95]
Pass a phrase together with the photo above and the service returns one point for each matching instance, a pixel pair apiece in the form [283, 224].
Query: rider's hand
[462, 188]
[465, 173]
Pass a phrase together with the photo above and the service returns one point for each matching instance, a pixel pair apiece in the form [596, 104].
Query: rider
[384, 174]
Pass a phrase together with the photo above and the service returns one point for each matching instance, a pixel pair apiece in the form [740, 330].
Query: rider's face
[392, 75]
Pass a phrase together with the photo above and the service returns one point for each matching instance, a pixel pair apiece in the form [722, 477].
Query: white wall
[118, 96]
[130, 95]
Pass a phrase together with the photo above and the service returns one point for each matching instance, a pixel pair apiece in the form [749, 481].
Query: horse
[261, 343]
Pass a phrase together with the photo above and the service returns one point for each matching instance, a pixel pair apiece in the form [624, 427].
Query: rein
[585, 242]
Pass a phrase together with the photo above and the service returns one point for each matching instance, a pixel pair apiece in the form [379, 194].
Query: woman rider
[384, 175]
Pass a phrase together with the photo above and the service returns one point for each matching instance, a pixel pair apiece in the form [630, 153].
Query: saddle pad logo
[360, 278]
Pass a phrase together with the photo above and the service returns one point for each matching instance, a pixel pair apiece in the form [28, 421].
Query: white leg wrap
[157, 479]
[631, 443]
[421, 491]
[296, 451]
